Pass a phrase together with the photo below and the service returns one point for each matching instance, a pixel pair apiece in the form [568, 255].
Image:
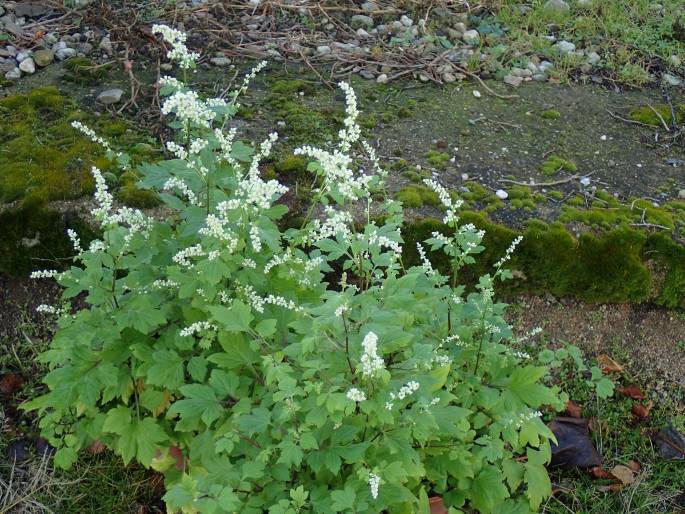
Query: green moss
[477, 191]
[551, 114]
[556, 195]
[292, 168]
[648, 116]
[289, 87]
[598, 269]
[417, 196]
[437, 159]
[404, 112]
[83, 71]
[368, 121]
[554, 164]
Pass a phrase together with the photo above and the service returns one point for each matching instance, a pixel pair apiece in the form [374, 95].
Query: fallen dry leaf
[634, 465]
[624, 474]
[177, 454]
[598, 472]
[574, 410]
[671, 443]
[96, 447]
[608, 365]
[10, 383]
[632, 391]
[641, 411]
[596, 425]
[574, 446]
[437, 506]
[612, 488]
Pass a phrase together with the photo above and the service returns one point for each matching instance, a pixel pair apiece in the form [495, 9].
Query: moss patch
[85, 72]
[609, 267]
[417, 196]
[437, 159]
[551, 114]
[649, 116]
[555, 164]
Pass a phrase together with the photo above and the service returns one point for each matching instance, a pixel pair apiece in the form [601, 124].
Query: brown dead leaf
[574, 448]
[634, 465]
[177, 454]
[10, 383]
[632, 391]
[608, 365]
[641, 411]
[574, 410]
[597, 425]
[671, 443]
[437, 505]
[624, 474]
[96, 447]
[598, 472]
[612, 488]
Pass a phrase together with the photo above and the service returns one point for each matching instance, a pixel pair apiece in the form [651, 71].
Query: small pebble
[501, 194]
[476, 93]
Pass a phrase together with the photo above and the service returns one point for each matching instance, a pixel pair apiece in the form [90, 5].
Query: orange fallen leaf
[96, 447]
[574, 410]
[641, 411]
[632, 391]
[634, 465]
[608, 365]
[613, 488]
[598, 472]
[10, 383]
[624, 474]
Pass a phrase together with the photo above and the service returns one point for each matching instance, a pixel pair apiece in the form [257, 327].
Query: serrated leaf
[537, 480]
[488, 489]
[167, 369]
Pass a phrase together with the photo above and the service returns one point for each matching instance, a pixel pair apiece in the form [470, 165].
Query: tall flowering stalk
[223, 351]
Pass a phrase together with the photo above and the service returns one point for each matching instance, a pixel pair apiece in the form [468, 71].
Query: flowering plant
[287, 371]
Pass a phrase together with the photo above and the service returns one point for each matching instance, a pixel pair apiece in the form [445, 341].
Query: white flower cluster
[173, 82]
[226, 144]
[197, 327]
[189, 109]
[523, 417]
[370, 360]
[337, 223]
[164, 284]
[384, 242]
[446, 200]
[255, 238]
[249, 263]
[185, 254]
[51, 273]
[90, 133]
[406, 390]
[49, 309]
[177, 150]
[216, 227]
[425, 262]
[75, 241]
[356, 395]
[374, 482]
[341, 310]
[258, 302]
[510, 250]
[337, 165]
[248, 78]
[197, 145]
[179, 52]
[177, 183]
[102, 196]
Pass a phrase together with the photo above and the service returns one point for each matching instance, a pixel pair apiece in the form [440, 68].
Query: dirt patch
[649, 340]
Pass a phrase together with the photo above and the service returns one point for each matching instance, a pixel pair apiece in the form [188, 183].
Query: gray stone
[81, 3]
[30, 9]
[382, 30]
[85, 48]
[369, 7]
[50, 38]
[8, 51]
[28, 66]
[2, 10]
[23, 55]
[448, 77]
[681, 194]
[323, 50]
[671, 80]
[513, 80]
[43, 57]
[545, 65]
[361, 21]
[366, 74]
[362, 33]
[593, 58]
[460, 27]
[111, 96]
[556, 7]
[539, 77]
[454, 34]
[406, 21]
[62, 51]
[382, 78]
[586, 68]
[565, 47]
[13, 74]
[7, 65]
[106, 45]
[220, 61]
[675, 60]
[501, 194]
[471, 37]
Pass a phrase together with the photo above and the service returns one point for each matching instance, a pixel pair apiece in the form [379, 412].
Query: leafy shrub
[299, 370]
